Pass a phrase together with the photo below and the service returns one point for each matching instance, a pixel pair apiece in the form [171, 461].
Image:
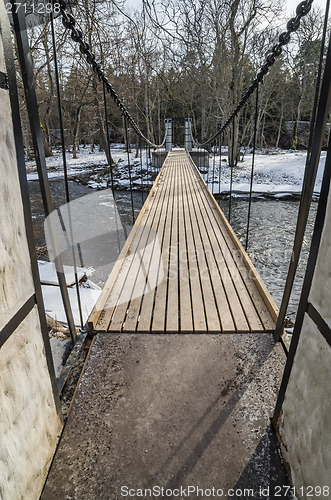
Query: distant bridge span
[182, 268]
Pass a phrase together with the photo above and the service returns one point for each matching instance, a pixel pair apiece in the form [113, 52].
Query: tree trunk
[203, 120]
[280, 125]
[46, 127]
[100, 123]
[76, 133]
[233, 144]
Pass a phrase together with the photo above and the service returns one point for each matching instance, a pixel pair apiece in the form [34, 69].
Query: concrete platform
[172, 411]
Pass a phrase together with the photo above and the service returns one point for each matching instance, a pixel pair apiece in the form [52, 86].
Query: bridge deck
[182, 268]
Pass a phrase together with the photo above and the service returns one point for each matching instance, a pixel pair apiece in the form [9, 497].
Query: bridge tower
[168, 124]
[188, 134]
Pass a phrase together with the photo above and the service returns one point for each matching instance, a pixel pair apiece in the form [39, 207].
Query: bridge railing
[216, 147]
[61, 238]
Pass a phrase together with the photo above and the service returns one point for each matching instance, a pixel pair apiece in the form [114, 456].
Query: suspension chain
[293, 24]
[69, 22]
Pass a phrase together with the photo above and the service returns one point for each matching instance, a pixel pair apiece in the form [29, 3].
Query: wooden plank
[136, 275]
[268, 300]
[157, 272]
[255, 308]
[199, 320]
[104, 308]
[249, 289]
[248, 285]
[186, 322]
[212, 318]
[159, 313]
[218, 270]
[236, 279]
[172, 312]
[150, 261]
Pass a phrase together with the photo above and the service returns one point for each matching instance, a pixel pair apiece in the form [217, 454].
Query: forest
[175, 58]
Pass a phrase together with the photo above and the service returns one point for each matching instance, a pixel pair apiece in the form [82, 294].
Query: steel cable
[293, 24]
[69, 22]
[252, 168]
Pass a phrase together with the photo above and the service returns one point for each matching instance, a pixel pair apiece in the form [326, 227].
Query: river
[272, 228]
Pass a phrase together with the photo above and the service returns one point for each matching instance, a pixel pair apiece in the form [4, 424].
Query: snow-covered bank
[278, 173]
[93, 168]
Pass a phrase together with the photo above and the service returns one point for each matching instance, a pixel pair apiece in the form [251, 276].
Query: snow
[277, 173]
[94, 164]
[88, 291]
[54, 304]
[48, 274]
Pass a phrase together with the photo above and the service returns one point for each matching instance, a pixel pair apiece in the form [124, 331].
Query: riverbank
[277, 173]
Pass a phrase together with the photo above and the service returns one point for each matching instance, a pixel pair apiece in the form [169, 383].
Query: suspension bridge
[182, 268]
[234, 301]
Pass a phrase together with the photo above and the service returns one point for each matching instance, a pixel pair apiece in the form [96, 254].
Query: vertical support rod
[107, 134]
[220, 167]
[188, 135]
[129, 164]
[65, 167]
[25, 60]
[231, 166]
[318, 79]
[252, 169]
[168, 124]
[111, 164]
[214, 162]
[141, 168]
[146, 158]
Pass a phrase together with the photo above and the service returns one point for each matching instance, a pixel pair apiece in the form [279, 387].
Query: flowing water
[272, 228]
[271, 237]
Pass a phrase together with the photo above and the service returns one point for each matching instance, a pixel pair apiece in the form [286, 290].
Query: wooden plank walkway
[182, 268]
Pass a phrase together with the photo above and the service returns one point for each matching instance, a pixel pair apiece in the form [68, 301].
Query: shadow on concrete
[265, 467]
[171, 411]
[264, 473]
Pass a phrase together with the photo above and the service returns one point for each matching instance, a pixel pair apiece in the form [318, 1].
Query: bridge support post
[188, 135]
[27, 370]
[168, 124]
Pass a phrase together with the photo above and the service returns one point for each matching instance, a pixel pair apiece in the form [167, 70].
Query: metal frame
[188, 135]
[24, 55]
[168, 127]
[319, 322]
[305, 306]
[308, 187]
[36, 298]
[17, 319]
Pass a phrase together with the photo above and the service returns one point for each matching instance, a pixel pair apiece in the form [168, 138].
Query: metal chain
[69, 23]
[293, 24]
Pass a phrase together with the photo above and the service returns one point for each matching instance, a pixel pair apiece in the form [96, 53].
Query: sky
[291, 4]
